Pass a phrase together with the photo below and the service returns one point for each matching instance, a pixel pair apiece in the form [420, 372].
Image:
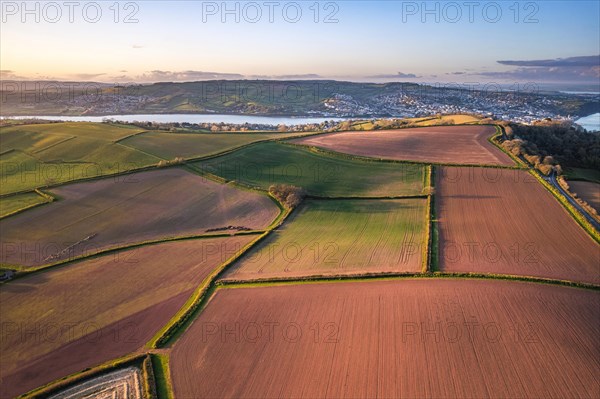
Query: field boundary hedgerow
[186, 315]
[429, 215]
[564, 184]
[48, 199]
[56, 386]
[149, 379]
[85, 179]
[241, 147]
[582, 221]
[27, 271]
[117, 141]
[331, 153]
[162, 376]
[241, 186]
[579, 218]
[494, 141]
[53, 144]
[322, 279]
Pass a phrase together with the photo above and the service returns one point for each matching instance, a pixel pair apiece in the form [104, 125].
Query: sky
[146, 41]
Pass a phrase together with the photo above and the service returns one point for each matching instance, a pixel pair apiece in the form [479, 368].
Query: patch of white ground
[120, 384]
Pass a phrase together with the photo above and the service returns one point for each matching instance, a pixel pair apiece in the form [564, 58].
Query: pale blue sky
[370, 38]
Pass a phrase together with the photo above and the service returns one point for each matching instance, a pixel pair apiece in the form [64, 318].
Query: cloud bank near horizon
[582, 69]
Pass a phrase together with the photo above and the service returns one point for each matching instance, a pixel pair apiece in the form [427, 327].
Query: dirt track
[440, 144]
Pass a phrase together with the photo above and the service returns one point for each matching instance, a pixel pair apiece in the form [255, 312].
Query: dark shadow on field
[23, 285]
[462, 196]
[362, 205]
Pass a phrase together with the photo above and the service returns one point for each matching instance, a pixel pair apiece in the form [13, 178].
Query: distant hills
[290, 98]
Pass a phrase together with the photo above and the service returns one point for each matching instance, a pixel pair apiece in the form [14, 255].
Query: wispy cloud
[574, 69]
[176, 76]
[398, 75]
[584, 61]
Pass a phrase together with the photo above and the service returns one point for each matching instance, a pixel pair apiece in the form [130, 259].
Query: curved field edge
[22, 271]
[160, 370]
[271, 137]
[321, 175]
[153, 167]
[493, 139]
[329, 279]
[573, 212]
[569, 208]
[343, 155]
[179, 323]
[315, 149]
[281, 140]
[283, 213]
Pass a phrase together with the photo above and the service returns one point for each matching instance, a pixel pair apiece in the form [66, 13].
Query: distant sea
[591, 123]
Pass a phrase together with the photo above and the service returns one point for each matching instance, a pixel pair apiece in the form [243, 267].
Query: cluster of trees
[174, 161]
[226, 127]
[567, 145]
[289, 196]
[531, 154]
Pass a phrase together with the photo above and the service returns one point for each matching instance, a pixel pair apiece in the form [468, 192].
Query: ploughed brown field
[505, 221]
[437, 338]
[115, 211]
[64, 320]
[440, 144]
[587, 191]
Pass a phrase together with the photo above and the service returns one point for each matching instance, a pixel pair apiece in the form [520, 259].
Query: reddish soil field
[129, 209]
[404, 338]
[64, 320]
[505, 221]
[587, 191]
[440, 144]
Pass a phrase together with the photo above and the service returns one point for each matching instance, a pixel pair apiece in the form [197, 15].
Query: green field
[23, 134]
[17, 202]
[34, 156]
[265, 164]
[582, 174]
[330, 237]
[194, 145]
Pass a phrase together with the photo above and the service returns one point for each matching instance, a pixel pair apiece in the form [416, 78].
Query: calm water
[591, 122]
[190, 118]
